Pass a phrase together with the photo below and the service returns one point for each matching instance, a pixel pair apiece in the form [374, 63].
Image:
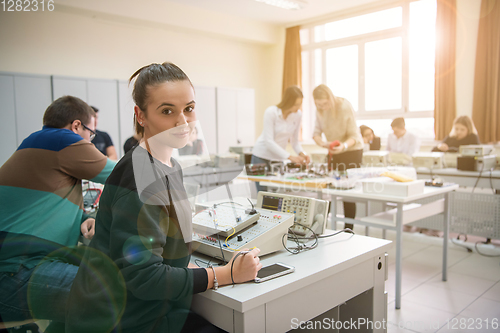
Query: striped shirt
[41, 195]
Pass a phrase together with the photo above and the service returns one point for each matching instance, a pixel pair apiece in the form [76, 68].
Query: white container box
[387, 186]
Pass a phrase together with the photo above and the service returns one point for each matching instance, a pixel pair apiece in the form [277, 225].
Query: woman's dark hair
[153, 75]
[64, 110]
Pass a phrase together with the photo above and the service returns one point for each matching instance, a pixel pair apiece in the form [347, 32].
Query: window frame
[360, 40]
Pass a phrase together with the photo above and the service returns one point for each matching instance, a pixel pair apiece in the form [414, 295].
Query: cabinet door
[32, 95]
[103, 94]
[8, 135]
[69, 86]
[245, 122]
[226, 119]
[126, 112]
[207, 117]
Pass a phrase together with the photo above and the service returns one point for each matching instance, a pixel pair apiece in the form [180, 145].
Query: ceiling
[261, 12]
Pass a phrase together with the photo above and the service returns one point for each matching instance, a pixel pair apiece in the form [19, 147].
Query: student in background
[194, 145]
[463, 133]
[402, 141]
[42, 216]
[369, 137]
[281, 124]
[335, 119]
[136, 274]
[103, 141]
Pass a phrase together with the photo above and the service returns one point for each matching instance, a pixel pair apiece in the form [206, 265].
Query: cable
[303, 247]
[491, 182]
[484, 254]
[478, 177]
[232, 263]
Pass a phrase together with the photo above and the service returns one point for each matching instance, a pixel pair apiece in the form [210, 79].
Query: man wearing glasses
[42, 212]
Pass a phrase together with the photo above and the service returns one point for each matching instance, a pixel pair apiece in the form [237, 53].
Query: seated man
[42, 215]
[402, 141]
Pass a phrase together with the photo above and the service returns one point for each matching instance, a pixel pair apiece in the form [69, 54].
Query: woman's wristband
[216, 283]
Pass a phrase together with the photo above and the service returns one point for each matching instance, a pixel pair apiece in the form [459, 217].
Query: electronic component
[224, 220]
[375, 158]
[309, 212]
[226, 160]
[476, 163]
[258, 169]
[429, 160]
[476, 150]
[268, 234]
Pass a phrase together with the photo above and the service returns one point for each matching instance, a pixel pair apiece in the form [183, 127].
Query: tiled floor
[468, 302]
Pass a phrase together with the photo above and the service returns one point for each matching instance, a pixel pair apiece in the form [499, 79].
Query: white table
[396, 218]
[339, 269]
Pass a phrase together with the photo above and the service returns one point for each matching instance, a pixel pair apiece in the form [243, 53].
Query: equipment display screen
[272, 203]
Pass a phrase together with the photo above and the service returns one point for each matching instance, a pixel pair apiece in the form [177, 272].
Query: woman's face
[323, 104]
[460, 131]
[368, 135]
[296, 107]
[170, 116]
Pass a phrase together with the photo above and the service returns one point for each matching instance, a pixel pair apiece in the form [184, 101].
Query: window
[381, 61]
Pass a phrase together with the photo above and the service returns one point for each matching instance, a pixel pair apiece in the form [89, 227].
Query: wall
[111, 39]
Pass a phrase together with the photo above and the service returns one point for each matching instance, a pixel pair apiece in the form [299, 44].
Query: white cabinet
[206, 114]
[8, 135]
[226, 115]
[102, 94]
[23, 98]
[63, 86]
[126, 113]
[235, 118]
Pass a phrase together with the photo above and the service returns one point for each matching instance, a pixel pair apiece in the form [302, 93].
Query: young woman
[135, 275]
[369, 137]
[463, 133]
[281, 124]
[335, 118]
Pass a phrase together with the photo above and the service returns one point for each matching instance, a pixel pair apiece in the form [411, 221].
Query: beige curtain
[444, 89]
[486, 105]
[292, 69]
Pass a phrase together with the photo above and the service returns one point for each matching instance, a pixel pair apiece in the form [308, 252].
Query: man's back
[41, 194]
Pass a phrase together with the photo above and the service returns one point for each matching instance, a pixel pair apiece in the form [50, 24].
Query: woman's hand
[336, 150]
[88, 228]
[245, 266]
[443, 147]
[297, 159]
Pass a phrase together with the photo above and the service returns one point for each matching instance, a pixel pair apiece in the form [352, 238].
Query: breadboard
[267, 234]
[226, 220]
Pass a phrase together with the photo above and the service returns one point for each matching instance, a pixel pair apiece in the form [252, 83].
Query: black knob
[240, 238]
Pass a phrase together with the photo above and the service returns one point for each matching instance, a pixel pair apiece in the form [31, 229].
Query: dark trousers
[341, 162]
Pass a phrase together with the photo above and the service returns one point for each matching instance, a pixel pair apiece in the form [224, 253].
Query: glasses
[93, 133]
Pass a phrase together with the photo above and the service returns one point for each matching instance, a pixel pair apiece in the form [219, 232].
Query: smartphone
[274, 270]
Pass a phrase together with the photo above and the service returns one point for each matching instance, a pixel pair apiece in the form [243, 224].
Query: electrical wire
[303, 246]
[491, 182]
[478, 177]
[484, 254]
